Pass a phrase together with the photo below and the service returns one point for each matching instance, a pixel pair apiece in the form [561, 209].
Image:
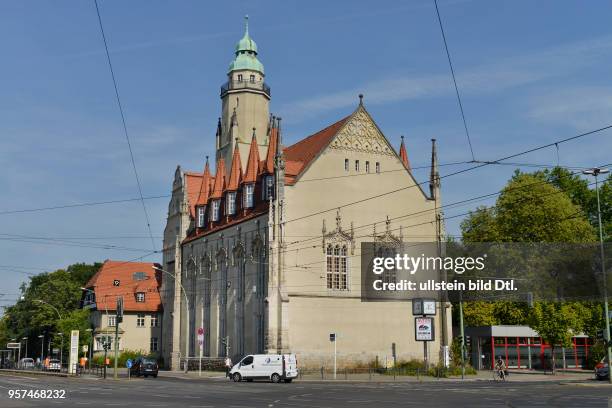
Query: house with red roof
[262, 247]
[137, 285]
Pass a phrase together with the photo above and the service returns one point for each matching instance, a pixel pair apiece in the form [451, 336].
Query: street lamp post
[42, 347]
[18, 351]
[187, 315]
[595, 172]
[26, 346]
[90, 331]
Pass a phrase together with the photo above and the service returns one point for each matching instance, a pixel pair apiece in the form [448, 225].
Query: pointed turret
[404, 155]
[205, 186]
[268, 165]
[252, 167]
[219, 186]
[434, 175]
[236, 171]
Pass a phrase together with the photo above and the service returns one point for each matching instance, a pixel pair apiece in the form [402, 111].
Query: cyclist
[500, 368]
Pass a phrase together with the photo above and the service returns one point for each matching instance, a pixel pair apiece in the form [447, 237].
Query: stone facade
[283, 274]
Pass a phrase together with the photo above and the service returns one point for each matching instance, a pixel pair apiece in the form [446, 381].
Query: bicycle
[499, 375]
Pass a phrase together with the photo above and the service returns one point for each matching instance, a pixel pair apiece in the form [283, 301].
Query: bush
[123, 357]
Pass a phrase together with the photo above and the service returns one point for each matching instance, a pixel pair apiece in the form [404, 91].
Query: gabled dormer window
[140, 297]
[249, 195]
[268, 187]
[214, 210]
[231, 203]
[201, 216]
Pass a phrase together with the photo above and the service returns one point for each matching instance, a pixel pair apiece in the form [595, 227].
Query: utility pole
[462, 333]
[596, 172]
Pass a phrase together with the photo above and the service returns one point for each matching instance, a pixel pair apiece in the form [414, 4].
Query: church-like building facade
[264, 253]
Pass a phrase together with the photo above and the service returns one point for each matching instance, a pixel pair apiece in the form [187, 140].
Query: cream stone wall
[131, 337]
[315, 311]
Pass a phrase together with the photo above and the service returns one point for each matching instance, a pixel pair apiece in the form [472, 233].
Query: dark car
[144, 366]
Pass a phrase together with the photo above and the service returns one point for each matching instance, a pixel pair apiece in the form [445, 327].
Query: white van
[275, 367]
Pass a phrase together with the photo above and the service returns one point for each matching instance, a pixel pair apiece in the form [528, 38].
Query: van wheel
[276, 378]
[237, 377]
[288, 380]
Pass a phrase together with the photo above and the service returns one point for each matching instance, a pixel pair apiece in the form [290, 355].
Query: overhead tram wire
[450, 64]
[125, 130]
[488, 163]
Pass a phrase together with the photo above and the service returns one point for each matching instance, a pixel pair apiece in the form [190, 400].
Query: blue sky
[529, 73]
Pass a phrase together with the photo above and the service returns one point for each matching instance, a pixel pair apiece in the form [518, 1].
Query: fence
[208, 363]
[375, 374]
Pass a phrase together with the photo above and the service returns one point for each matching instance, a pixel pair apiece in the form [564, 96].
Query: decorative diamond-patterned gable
[361, 134]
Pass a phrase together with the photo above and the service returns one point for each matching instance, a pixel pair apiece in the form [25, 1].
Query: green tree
[556, 323]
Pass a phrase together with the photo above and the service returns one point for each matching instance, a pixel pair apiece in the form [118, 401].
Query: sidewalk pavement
[514, 376]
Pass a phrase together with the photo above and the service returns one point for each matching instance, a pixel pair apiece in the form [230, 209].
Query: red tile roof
[299, 155]
[252, 167]
[106, 293]
[219, 184]
[202, 198]
[268, 164]
[193, 183]
[403, 155]
[236, 172]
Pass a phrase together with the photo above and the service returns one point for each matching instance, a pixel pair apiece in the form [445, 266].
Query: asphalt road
[192, 393]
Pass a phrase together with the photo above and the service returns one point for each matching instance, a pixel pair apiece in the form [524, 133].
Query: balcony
[236, 85]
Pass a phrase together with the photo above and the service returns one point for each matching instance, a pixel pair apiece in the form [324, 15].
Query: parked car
[26, 363]
[602, 369]
[274, 367]
[144, 366]
[54, 365]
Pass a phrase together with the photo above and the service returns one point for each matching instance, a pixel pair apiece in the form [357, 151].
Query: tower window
[249, 190]
[377, 167]
[252, 78]
[346, 164]
[214, 210]
[367, 167]
[231, 203]
[239, 77]
[356, 165]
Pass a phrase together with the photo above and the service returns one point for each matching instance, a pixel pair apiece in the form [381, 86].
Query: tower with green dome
[245, 101]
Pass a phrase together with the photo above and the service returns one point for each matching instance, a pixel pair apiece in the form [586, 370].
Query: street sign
[423, 307]
[128, 363]
[332, 337]
[116, 282]
[200, 331]
[424, 329]
[13, 345]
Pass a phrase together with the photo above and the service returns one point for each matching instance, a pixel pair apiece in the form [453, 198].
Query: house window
[252, 78]
[346, 164]
[389, 275]
[140, 320]
[239, 77]
[231, 203]
[356, 165]
[153, 344]
[112, 320]
[268, 190]
[201, 214]
[249, 190]
[154, 320]
[214, 210]
[337, 267]
[367, 167]
[377, 167]
[140, 297]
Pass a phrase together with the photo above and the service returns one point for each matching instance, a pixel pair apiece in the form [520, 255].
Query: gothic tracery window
[337, 267]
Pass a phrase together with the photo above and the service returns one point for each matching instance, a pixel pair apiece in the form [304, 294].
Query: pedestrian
[228, 366]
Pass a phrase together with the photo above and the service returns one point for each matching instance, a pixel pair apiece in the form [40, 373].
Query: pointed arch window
[337, 267]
